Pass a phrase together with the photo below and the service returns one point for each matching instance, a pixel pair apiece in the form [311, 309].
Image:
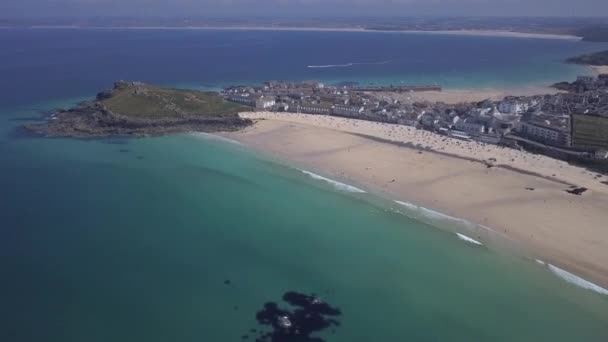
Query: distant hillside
[598, 58]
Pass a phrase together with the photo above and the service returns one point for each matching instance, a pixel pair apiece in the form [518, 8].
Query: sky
[85, 8]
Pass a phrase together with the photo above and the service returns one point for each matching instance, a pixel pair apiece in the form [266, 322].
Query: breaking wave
[563, 274]
[346, 65]
[574, 279]
[408, 205]
[468, 239]
[336, 184]
[419, 212]
[431, 214]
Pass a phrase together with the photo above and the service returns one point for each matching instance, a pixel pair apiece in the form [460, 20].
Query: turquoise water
[136, 246]
[184, 238]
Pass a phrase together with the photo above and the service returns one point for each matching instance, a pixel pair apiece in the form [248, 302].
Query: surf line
[560, 273]
[573, 279]
[432, 214]
[335, 184]
[435, 215]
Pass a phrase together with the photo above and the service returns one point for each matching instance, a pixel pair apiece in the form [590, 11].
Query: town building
[265, 102]
[546, 133]
[244, 99]
[512, 107]
[345, 110]
[470, 126]
[312, 108]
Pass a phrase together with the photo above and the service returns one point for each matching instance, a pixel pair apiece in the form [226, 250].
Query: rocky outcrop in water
[93, 120]
[307, 315]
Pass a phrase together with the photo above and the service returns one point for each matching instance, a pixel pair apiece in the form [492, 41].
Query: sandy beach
[453, 96]
[600, 69]
[522, 197]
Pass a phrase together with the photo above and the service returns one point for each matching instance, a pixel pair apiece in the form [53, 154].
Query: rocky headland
[137, 109]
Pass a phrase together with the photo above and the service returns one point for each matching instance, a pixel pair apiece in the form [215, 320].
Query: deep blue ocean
[185, 237]
[38, 65]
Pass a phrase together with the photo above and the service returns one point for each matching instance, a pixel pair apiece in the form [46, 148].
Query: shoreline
[488, 33]
[539, 221]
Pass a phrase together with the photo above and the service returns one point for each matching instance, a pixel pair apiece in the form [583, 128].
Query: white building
[601, 154]
[470, 126]
[242, 99]
[513, 107]
[345, 110]
[313, 109]
[544, 133]
[265, 102]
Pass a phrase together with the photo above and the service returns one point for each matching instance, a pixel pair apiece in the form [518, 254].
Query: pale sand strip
[563, 229]
[600, 69]
[453, 96]
[489, 33]
[499, 33]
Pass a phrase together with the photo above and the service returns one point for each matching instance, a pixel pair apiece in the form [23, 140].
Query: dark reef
[309, 315]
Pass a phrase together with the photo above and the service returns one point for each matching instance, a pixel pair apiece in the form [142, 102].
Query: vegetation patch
[590, 131]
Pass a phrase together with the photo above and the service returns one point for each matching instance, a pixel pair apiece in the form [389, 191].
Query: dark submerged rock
[310, 315]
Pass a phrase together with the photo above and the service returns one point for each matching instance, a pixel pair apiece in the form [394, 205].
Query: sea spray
[336, 184]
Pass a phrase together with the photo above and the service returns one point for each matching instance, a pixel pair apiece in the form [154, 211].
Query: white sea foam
[429, 213]
[437, 215]
[576, 280]
[408, 205]
[468, 239]
[540, 262]
[331, 65]
[346, 65]
[214, 137]
[336, 184]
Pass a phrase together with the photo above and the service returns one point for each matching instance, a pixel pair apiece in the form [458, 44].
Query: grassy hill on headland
[147, 101]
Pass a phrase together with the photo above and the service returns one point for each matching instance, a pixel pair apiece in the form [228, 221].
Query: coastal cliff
[137, 109]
